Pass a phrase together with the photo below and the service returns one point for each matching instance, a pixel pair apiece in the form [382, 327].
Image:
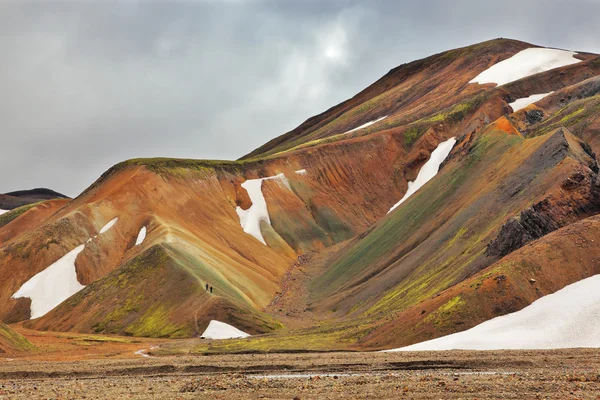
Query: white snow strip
[250, 219]
[110, 224]
[366, 125]
[301, 172]
[142, 353]
[141, 236]
[53, 285]
[568, 318]
[221, 330]
[3, 211]
[520, 104]
[428, 170]
[525, 63]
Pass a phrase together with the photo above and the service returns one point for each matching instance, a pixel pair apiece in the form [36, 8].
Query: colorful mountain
[455, 189]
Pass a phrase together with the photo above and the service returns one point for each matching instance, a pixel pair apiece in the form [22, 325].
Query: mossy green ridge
[576, 116]
[11, 341]
[160, 293]
[10, 216]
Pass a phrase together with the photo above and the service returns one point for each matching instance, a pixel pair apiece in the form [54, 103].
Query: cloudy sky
[85, 84]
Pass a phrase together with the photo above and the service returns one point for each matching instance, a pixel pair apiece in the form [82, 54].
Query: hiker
[211, 289]
[207, 286]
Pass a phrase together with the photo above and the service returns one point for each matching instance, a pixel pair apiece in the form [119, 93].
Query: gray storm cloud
[86, 84]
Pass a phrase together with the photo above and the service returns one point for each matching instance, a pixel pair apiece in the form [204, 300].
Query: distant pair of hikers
[209, 287]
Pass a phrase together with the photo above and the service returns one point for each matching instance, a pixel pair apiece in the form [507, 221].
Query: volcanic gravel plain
[114, 370]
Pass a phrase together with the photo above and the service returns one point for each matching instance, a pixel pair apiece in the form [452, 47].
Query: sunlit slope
[425, 90]
[440, 235]
[323, 192]
[401, 281]
[545, 266]
[189, 207]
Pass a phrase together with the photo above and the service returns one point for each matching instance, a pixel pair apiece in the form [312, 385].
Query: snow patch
[568, 318]
[520, 104]
[428, 170]
[58, 282]
[301, 172]
[3, 211]
[53, 285]
[110, 224]
[366, 125]
[143, 353]
[141, 236]
[525, 63]
[250, 219]
[221, 330]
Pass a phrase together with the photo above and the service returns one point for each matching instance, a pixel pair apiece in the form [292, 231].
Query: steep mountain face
[297, 238]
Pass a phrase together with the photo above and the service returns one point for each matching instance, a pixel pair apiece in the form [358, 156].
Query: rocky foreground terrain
[549, 374]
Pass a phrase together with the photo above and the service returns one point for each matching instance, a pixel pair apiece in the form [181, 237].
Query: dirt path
[561, 374]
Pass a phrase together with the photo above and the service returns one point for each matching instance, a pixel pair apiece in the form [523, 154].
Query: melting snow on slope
[429, 170]
[110, 224]
[525, 63]
[568, 318]
[366, 125]
[3, 211]
[520, 104]
[250, 219]
[221, 330]
[141, 236]
[53, 285]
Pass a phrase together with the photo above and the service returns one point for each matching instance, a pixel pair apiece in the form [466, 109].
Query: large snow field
[221, 330]
[428, 170]
[568, 318]
[250, 219]
[56, 283]
[521, 103]
[525, 63]
[53, 285]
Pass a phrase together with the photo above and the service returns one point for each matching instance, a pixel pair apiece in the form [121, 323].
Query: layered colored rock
[305, 218]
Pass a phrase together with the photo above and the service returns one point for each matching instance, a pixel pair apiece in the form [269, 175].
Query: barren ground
[558, 374]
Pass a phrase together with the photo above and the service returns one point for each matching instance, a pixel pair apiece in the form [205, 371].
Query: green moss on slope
[12, 340]
[10, 216]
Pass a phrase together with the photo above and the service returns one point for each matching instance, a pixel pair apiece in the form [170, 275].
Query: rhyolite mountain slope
[296, 239]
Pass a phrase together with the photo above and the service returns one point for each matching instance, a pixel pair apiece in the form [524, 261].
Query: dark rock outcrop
[548, 215]
[12, 200]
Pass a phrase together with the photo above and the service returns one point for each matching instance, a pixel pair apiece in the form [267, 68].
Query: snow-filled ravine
[568, 318]
[525, 63]
[251, 218]
[521, 103]
[221, 330]
[55, 284]
[141, 236]
[366, 125]
[428, 170]
[3, 211]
